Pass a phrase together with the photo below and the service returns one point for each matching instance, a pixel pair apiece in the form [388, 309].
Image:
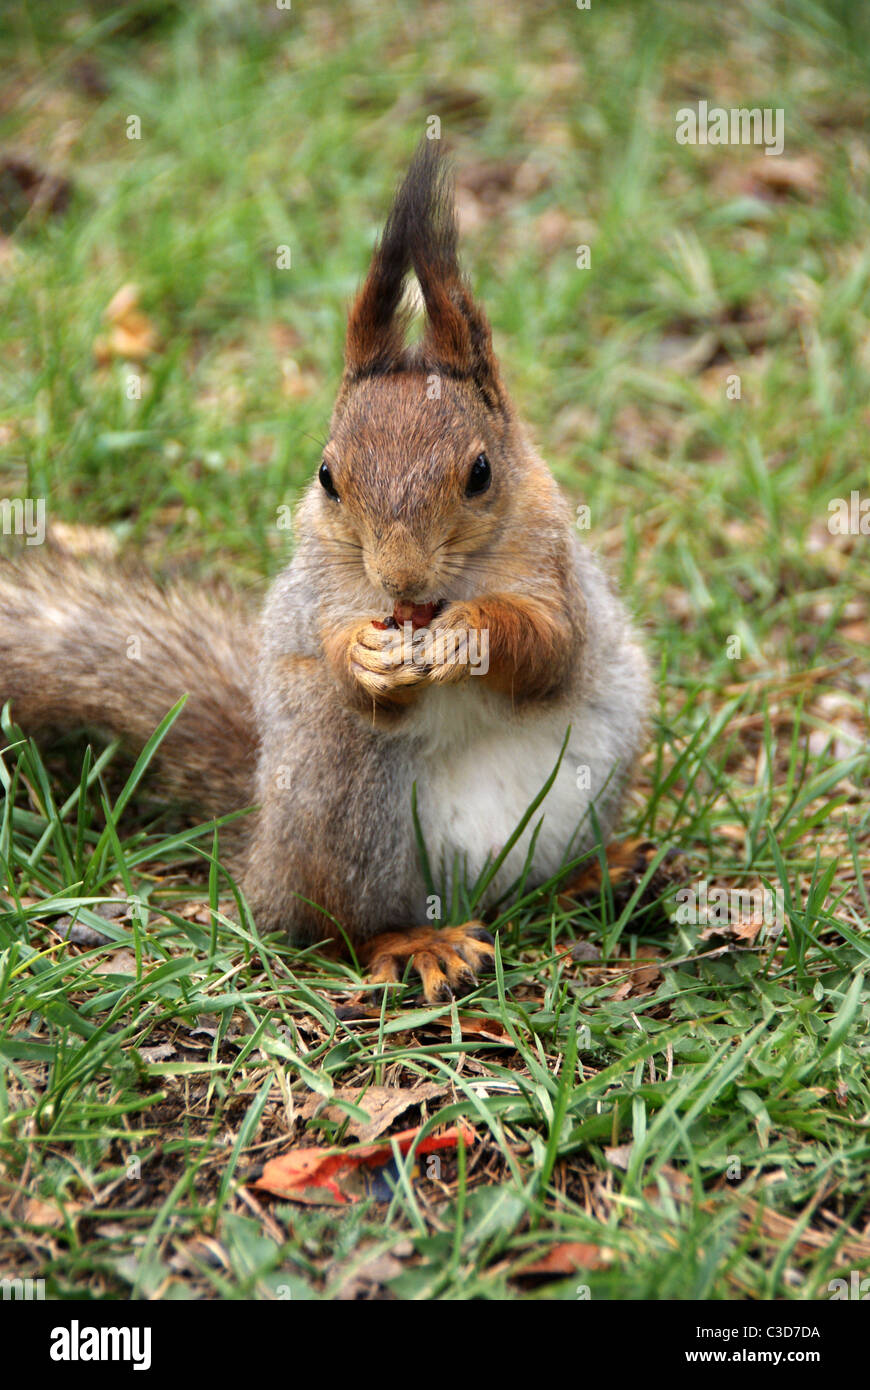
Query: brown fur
[69, 658]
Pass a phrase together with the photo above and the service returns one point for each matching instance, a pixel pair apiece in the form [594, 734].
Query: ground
[657, 1099]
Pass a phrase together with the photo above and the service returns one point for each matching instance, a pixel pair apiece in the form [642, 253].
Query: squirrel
[440, 626]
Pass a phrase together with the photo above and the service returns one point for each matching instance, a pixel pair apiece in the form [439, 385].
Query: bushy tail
[108, 649]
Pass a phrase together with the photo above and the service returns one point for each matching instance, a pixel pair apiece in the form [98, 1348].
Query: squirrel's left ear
[421, 235]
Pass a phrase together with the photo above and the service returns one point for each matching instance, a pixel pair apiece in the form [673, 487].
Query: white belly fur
[482, 766]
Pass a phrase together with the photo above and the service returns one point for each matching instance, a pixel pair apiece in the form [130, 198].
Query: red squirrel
[440, 624]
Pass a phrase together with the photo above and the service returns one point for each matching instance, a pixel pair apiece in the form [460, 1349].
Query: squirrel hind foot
[626, 864]
[448, 960]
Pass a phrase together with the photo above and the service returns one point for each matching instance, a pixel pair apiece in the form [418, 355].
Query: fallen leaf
[366, 1281]
[122, 303]
[774, 1225]
[567, 1259]
[39, 1213]
[200, 1250]
[640, 979]
[459, 103]
[470, 1027]
[383, 1105]
[133, 336]
[337, 1177]
[745, 930]
[779, 1228]
[779, 176]
[620, 1155]
[121, 962]
[159, 1053]
[487, 189]
[487, 1028]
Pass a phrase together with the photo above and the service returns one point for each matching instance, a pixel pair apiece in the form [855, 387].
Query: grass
[687, 1110]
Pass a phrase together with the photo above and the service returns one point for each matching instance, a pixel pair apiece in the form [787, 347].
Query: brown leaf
[459, 103]
[366, 1281]
[620, 1155]
[745, 930]
[120, 962]
[158, 1053]
[39, 1213]
[642, 977]
[645, 978]
[775, 1225]
[470, 1027]
[383, 1105]
[779, 176]
[780, 1228]
[487, 189]
[132, 336]
[123, 302]
[568, 1258]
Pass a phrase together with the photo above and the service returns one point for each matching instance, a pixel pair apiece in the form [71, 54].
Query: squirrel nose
[404, 588]
[402, 566]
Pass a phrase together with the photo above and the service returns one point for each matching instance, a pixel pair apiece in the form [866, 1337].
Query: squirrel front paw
[392, 663]
[451, 646]
[381, 662]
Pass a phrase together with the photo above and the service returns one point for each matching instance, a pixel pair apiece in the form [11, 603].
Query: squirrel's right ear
[421, 235]
[375, 327]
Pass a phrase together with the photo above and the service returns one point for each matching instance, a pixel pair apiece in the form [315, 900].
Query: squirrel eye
[326, 482]
[480, 476]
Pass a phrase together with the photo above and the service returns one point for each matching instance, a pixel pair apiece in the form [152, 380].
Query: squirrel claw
[447, 959]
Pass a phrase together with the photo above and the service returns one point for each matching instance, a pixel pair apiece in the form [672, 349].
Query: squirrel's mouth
[417, 614]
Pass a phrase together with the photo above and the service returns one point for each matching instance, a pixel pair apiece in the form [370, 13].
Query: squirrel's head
[426, 463]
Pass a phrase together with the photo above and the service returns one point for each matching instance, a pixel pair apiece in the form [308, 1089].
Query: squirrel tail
[108, 649]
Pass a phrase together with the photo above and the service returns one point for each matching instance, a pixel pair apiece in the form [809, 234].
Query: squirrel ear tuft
[420, 234]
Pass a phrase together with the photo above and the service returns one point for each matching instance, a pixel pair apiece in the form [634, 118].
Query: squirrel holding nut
[440, 642]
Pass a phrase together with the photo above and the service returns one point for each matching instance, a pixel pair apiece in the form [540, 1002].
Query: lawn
[657, 1102]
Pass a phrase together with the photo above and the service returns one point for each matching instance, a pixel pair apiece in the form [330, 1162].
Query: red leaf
[337, 1177]
[566, 1258]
